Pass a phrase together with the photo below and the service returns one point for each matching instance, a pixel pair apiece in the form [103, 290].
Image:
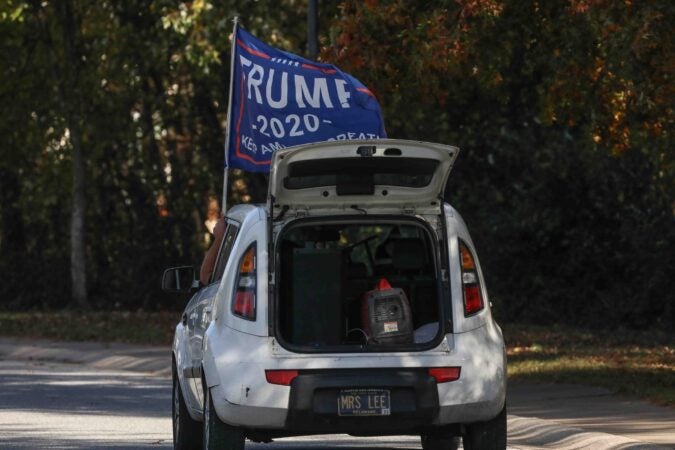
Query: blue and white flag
[279, 99]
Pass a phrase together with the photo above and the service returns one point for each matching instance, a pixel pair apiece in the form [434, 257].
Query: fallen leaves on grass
[139, 327]
[628, 362]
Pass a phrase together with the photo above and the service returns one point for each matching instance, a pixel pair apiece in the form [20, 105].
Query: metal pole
[229, 116]
[312, 25]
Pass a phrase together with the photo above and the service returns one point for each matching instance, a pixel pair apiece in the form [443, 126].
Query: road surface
[63, 406]
[45, 405]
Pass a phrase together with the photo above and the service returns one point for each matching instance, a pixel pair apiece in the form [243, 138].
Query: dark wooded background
[113, 115]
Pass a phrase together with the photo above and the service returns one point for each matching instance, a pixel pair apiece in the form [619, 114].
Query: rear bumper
[243, 397]
[312, 406]
[313, 403]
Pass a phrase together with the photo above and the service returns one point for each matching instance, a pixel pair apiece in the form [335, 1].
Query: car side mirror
[179, 280]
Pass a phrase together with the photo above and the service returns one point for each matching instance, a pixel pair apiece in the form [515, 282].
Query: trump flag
[278, 100]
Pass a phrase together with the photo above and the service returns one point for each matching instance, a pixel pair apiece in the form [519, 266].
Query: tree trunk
[78, 262]
[72, 109]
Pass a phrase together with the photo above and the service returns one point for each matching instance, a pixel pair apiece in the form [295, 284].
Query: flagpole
[226, 173]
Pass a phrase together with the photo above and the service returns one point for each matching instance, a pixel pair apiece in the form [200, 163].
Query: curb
[535, 433]
[153, 360]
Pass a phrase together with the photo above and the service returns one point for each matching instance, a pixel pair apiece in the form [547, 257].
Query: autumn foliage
[564, 113]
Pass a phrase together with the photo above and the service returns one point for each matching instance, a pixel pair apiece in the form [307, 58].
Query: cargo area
[364, 285]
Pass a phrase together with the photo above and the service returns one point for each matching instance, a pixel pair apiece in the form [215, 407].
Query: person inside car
[209, 263]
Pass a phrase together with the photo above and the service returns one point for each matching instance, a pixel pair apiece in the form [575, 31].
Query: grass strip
[640, 364]
[132, 327]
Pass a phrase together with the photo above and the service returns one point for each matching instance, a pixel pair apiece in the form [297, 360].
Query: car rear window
[387, 171]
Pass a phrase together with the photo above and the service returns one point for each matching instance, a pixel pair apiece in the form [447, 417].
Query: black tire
[187, 433]
[219, 435]
[490, 435]
[436, 443]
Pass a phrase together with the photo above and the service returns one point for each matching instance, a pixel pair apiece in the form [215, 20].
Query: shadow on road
[72, 391]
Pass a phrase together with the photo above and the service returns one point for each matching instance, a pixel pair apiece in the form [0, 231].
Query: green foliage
[563, 111]
[153, 79]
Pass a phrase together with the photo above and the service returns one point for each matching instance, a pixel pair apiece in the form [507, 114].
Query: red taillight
[282, 377]
[445, 374]
[473, 301]
[243, 304]
[473, 296]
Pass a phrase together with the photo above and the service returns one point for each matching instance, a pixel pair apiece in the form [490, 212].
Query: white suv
[353, 302]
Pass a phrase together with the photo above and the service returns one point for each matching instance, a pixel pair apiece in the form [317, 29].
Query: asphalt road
[62, 406]
[68, 406]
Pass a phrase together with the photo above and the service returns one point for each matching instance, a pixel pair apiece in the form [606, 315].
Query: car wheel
[436, 443]
[219, 435]
[187, 433]
[490, 435]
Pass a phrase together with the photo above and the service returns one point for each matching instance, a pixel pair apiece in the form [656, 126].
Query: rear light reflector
[473, 296]
[445, 374]
[282, 377]
[469, 277]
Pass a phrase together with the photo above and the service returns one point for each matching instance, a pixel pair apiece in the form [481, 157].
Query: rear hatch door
[363, 174]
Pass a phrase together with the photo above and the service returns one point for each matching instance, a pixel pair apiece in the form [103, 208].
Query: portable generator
[386, 316]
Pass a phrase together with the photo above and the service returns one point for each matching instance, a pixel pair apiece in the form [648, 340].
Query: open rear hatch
[350, 283]
[347, 281]
[386, 173]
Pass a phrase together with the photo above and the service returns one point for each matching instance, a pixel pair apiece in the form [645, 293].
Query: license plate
[364, 402]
